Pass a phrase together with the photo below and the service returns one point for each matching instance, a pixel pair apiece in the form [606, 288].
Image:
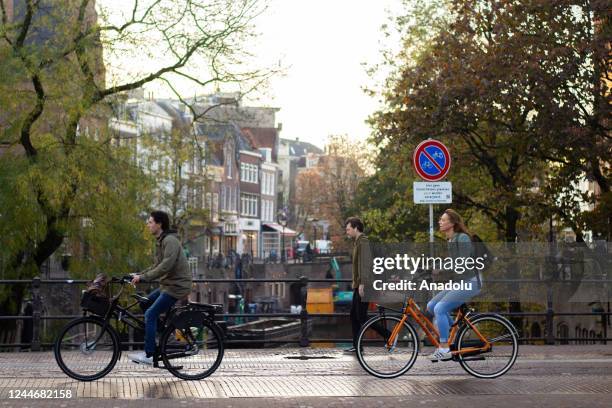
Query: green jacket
[170, 267]
[356, 260]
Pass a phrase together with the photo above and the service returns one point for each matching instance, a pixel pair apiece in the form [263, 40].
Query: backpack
[482, 251]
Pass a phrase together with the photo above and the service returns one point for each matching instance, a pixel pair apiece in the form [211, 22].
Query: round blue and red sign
[431, 160]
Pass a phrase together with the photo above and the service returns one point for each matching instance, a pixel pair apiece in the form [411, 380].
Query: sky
[321, 46]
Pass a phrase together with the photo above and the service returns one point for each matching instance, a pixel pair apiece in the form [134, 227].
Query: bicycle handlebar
[123, 280]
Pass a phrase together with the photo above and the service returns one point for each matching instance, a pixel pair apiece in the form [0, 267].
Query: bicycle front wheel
[86, 350]
[499, 358]
[192, 352]
[383, 357]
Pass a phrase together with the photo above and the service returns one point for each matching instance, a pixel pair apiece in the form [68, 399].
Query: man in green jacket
[359, 309]
[174, 280]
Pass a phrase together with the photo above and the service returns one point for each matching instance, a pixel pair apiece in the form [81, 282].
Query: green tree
[491, 83]
[60, 177]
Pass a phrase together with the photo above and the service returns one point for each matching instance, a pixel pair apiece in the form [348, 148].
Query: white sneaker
[141, 358]
[441, 355]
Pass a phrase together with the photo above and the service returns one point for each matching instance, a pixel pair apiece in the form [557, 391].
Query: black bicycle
[191, 345]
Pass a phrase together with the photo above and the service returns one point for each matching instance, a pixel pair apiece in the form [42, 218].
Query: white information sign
[433, 193]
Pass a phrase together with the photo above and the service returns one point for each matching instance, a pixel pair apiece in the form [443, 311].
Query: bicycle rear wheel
[86, 350]
[376, 357]
[193, 352]
[504, 346]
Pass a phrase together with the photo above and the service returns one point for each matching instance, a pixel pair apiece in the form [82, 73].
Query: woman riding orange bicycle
[441, 306]
[484, 344]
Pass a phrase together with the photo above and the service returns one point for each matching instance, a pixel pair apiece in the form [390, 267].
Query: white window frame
[248, 204]
[249, 173]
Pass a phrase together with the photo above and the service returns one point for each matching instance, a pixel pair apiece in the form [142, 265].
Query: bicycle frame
[411, 309]
[122, 314]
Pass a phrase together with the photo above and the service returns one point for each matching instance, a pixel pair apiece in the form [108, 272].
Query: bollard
[304, 342]
[36, 312]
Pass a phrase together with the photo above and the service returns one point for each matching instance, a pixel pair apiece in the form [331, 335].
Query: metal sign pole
[431, 233]
[431, 226]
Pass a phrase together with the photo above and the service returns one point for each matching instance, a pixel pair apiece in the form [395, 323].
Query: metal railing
[304, 316]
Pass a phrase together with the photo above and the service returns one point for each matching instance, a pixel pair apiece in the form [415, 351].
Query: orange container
[320, 300]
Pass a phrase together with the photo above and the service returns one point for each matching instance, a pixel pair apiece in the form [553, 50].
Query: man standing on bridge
[359, 310]
[175, 280]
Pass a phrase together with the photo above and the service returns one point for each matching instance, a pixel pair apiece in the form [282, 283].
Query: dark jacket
[170, 267]
[356, 260]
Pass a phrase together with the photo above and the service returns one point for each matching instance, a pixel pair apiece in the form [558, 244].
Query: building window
[248, 172]
[223, 207]
[248, 204]
[228, 198]
[267, 181]
[209, 203]
[275, 290]
[267, 210]
[229, 165]
[230, 228]
[215, 207]
[233, 194]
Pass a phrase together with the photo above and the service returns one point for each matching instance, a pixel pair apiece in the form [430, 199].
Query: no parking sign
[431, 160]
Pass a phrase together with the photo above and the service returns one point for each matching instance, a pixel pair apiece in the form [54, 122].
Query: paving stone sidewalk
[323, 377]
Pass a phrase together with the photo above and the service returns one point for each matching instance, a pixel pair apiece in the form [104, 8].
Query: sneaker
[441, 355]
[141, 358]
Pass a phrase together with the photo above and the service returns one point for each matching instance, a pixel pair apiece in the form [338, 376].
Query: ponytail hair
[457, 220]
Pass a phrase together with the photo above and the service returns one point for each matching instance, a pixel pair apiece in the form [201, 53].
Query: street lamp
[282, 220]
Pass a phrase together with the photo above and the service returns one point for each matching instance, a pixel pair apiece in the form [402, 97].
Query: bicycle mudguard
[188, 319]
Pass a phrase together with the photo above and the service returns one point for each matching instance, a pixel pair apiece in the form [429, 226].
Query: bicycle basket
[95, 304]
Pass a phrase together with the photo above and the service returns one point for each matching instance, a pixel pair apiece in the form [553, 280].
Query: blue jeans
[445, 302]
[162, 302]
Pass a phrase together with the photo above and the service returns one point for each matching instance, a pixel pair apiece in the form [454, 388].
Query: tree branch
[32, 117]
[27, 21]
[490, 212]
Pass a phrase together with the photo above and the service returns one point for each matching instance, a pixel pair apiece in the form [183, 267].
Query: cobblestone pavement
[542, 376]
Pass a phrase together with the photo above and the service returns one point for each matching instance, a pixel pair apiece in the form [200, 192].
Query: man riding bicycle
[175, 280]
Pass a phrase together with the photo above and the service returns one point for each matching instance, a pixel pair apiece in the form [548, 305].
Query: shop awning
[272, 226]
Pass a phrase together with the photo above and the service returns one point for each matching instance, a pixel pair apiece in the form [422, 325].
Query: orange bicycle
[485, 344]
